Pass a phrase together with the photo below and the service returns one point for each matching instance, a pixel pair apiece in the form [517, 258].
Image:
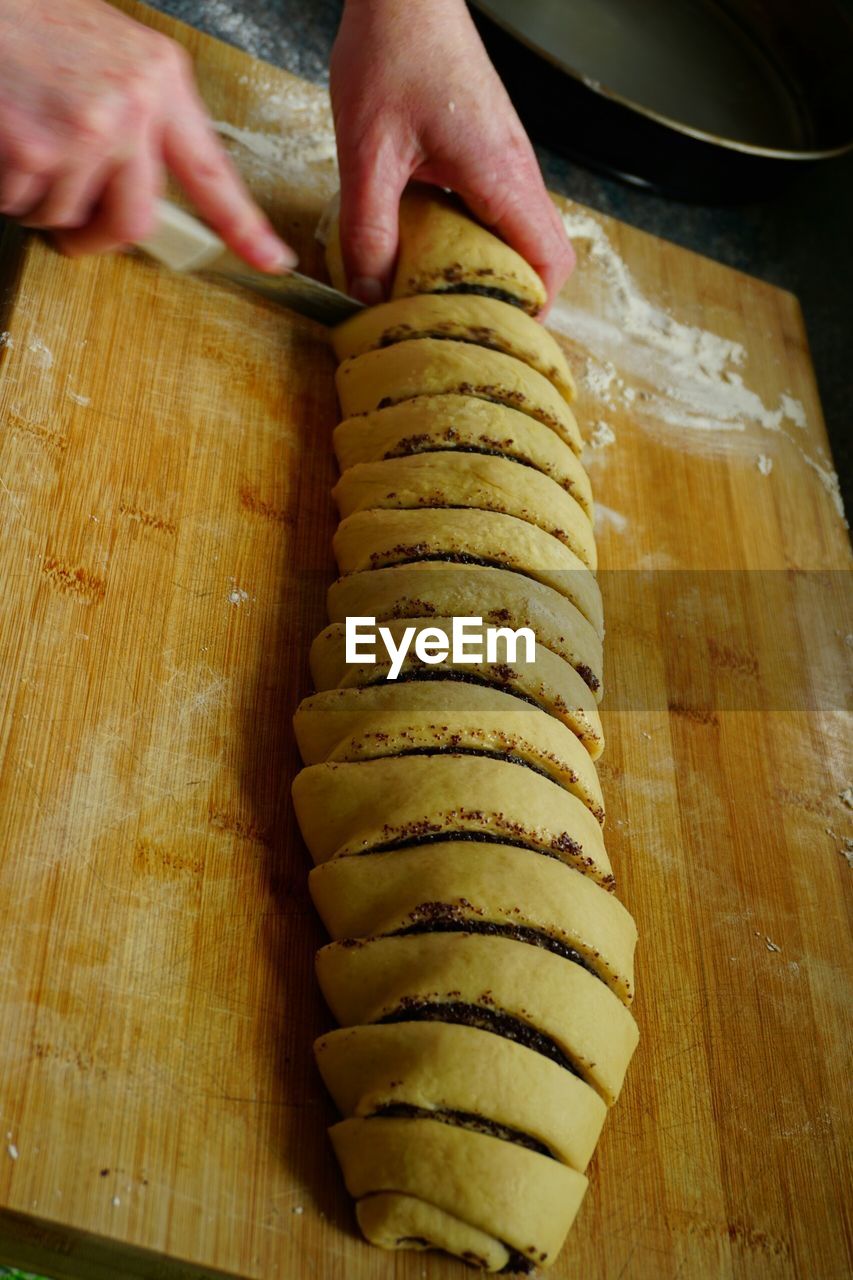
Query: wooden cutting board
[165, 528]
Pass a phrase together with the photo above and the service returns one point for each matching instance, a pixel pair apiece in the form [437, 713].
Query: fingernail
[367, 289]
[273, 254]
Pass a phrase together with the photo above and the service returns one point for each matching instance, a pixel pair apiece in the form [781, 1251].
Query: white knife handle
[180, 241]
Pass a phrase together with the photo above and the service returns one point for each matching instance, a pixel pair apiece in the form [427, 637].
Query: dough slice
[443, 249]
[461, 883]
[354, 808]
[448, 1067]
[392, 719]
[520, 1197]
[428, 424]
[371, 539]
[498, 596]
[485, 322]
[509, 988]
[547, 682]
[394, 1221]
[472, 481]
[434, 366]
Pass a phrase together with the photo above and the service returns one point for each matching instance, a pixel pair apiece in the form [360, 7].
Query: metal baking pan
[703, 99]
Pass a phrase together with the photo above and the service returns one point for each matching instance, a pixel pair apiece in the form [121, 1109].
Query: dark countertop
[799, 239]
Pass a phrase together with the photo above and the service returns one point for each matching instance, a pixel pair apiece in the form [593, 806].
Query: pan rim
[677, 126]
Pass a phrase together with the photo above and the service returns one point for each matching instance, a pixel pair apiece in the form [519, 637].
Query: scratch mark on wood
[147, 518]
[78, 581]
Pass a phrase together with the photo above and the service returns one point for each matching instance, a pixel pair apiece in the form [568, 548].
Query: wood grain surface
[165, 527]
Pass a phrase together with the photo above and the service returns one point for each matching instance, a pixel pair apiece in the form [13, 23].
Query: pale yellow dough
[548, 681]
[450, 1067]
[380, 893]
[443, 248]
[392, 719]
[433, 366]
[499, 596]
[485, 322]
[520, 1197]
[351, 808]
[440, 423]
[472, 481]
[394, 1221]
[378, 978]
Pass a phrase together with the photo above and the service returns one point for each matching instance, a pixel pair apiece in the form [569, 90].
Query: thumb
[372, 181]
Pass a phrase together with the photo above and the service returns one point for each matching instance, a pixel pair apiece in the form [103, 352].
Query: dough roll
[468, 480]
[433, 366]
[507, 987]
[394, 1221]
[485, 322]
[457, 423]
[355, 808]
[520, 1197]
[484, 886]
[498, 596]
[443, 250]
[450, 1067]
[382, 536]
[437, 716]
[548, 681]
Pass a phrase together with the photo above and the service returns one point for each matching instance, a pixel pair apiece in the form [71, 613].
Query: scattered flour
[606, 517]
[77, 398]
[238, 596]
[43, 354]
[764, 464]
[602, 435]
[6, 339]
[300, 144]
[690, 387]
[846, 797]
[12, 1150]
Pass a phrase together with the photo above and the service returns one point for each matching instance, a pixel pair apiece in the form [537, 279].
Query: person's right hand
[93, 108]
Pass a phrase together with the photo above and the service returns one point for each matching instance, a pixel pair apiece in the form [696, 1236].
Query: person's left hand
[415, 97]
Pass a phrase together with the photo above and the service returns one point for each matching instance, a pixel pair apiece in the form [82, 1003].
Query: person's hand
[415, 96]
[93, 108]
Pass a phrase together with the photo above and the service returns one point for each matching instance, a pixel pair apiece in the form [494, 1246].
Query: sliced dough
[371, 539]
[514, 987]
[398, 719]
[432, 366]
[525, 1199]
[548, 681]
[497, 596]
[468, 480]
[442, 249]
[427, 424]
[352, 808]
[463, 880]
[485, 322]
[441, 1066]
[394, 1221]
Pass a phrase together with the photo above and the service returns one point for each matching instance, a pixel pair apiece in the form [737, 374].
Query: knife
[183, 243]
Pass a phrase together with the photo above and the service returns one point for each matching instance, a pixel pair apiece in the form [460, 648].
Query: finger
[20, 192]
[523, 214]
[70, 199]
[125, 212]
[203, 169]
[372, 181]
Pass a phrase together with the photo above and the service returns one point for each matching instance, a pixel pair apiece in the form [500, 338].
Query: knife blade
[183, 243]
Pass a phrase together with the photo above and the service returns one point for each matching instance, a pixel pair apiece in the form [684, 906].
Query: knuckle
[90, 120]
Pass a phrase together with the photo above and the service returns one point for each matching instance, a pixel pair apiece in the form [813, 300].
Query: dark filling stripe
[485, 291]
[424, 836]
[465, 1120]
[497, 1021]
[505, 757]
[444, 918]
